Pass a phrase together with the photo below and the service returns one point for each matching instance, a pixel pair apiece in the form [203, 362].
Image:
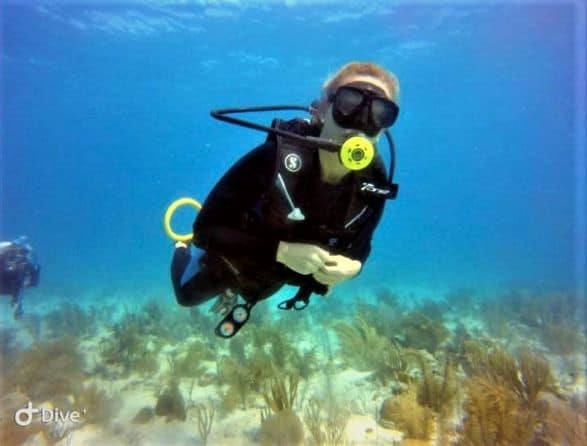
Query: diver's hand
[337, 269]
[302, 258]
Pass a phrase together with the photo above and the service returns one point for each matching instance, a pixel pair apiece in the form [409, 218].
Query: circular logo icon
[293, 162]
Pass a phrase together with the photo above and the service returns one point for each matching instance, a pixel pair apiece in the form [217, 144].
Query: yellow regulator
[357, 153]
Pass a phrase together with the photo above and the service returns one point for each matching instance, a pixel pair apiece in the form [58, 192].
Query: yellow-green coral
[494, 416]
[502, 397]
[403, 412]
[438, 392]
[363, 348]
[282, 393]
[47, 370]
[422, 333]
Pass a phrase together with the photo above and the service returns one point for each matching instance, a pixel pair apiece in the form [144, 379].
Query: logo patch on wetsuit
[371, 188]
[293, 162]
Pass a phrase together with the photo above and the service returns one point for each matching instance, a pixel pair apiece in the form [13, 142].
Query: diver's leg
[17, 302]
[197, 276]
[263, 289]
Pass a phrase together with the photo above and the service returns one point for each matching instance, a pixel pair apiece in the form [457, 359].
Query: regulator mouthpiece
[357, 153]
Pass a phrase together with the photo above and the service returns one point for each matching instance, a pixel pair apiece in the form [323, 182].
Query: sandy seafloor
[354, 389]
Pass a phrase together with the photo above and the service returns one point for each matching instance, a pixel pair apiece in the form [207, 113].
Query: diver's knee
[184, 300]
[190, 298]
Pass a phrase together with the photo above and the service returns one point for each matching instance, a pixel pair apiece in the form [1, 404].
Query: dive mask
[363, 106]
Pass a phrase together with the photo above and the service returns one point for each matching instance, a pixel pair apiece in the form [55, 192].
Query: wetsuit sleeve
[361, 246]
[219, 225]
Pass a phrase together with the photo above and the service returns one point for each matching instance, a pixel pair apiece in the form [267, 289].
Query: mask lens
[348, 100]
[384, 112]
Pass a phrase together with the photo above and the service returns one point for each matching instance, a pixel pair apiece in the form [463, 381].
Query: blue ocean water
[105, 121]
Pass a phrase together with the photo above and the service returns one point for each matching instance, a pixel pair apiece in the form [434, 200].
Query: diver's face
[332, 130]
[361, 106]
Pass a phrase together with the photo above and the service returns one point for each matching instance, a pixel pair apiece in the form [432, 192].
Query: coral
[420, 332]
[561, 424]
[383, 319]
[497, 319]
[281, 350]
[282, 393]
[47, 370]
[152, 310]
[304, 363]
[494, 416]
[562, 338]
[438, 392]
[432, 309]
[274, 341]
[98, 406]
[404, 413]
[360, 344]
[129, 346]
[236, 347]
[393, 363]
[386, 297]
[69, 319]
[326, 426]
[313, 420]
[205, 418]
[461, 299]
[259, 356]
[171, 404]
[200, 323]
[174, 325]
[535, 310]
[282, 428]
[526, 376]
[364, 348]
[502, 405]
[101, 314]
[261, 335]
[243, 378]
[536, 377]
[189, 364]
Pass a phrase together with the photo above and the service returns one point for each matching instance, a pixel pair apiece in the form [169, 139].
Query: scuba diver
[301, 208]
[18, 270]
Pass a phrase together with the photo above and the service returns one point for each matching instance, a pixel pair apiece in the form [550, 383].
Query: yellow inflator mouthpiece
[169, 214]
[357, 153]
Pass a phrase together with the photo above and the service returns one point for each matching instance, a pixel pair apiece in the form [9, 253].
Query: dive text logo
[24, 417]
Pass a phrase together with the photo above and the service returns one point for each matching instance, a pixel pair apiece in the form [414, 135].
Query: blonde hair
[367, 69]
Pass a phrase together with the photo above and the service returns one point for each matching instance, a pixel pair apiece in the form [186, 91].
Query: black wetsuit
[17, 271]
[243, 220]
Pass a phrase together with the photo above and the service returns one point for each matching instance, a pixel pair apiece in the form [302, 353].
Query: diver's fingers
[343, 266]
[311, 266]
[323, 255]
[331, 269]
[315, 261]
[324, 278]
